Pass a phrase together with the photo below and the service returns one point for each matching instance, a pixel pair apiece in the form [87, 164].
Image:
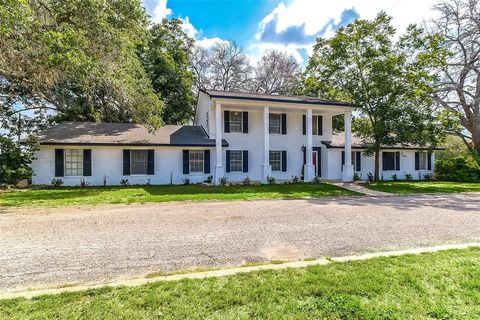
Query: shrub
[408, 177]
[294, 179]
[124, 182]
[83, 183]
[246, 181]
[149, 182]
[461, 169]
[357, 177]
[394, 177]
[370, 177]
[209, 179]
[186, 181]
[223, 181]
[316, 179]
[427, 177]
[271, 180]
[57, 182]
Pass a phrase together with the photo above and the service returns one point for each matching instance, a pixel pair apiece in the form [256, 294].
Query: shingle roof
[272, 97]
[338, 141]
[92, 133]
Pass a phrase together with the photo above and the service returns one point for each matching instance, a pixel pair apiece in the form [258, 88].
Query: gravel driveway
[46, 247]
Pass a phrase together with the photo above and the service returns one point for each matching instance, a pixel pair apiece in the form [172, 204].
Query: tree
[223, 67]
[15, 159]
[458, 86]
[390, 89]
[276, 73]
[166, 59]
[77, 58]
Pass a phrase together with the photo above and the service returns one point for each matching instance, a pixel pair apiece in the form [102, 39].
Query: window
[276, 160]
[196, 161]
[138, 162]
[275, 123]
[315, 126]
[236, 118]
[74, 162]
[236, 160]
[422, 161]
[391, 161]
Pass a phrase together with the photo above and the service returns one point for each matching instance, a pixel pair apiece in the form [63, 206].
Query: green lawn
[405, 187]
[442, 285]
[138, 194]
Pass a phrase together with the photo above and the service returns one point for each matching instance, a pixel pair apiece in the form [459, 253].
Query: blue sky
[289, 25]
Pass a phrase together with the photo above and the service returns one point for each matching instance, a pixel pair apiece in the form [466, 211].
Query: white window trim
[281, 160]
[241, 161]
[394, 162]
[131, 162]
[279, 126]
[190, 162]
[65, 165]
[230, 121]
[425, 158]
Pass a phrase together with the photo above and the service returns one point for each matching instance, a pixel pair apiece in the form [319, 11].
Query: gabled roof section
[125, 134]
[272, 98]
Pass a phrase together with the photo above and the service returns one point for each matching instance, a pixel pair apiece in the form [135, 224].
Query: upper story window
[235, 121]
[139, 161]
[317, 125]
[196, 161]
[275, 123]
[74, 162]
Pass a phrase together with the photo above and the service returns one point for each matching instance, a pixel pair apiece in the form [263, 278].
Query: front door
[316, 160]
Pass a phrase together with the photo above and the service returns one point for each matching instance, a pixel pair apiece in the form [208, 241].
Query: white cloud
[161, 11]
[209, 42]
[189, 28]
[307, 18]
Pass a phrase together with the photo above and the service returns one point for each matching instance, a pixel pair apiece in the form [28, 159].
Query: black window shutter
[227, 161]
[186, 162]
[384, 162]
[284, 123]
[284, 161]
[304, 124]
[151, 162]
[359, 161]
[58, 162]
[226, 120]
[126, 162]
[320, 125]
[206, 161]
[417, 161]
[429, 161]
[87, 162]
[343, 159]
[245, 160]
[245, 121]
[397, 162]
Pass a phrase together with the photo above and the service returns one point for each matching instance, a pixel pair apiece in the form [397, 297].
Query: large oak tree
[387, 87]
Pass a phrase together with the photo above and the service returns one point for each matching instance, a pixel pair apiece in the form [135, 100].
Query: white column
[348, 167]
[266, 168]
[309, 169]
[219, 171]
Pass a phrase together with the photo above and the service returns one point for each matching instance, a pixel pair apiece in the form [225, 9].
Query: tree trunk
[377, 165]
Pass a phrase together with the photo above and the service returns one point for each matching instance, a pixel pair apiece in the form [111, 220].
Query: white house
[235, 135]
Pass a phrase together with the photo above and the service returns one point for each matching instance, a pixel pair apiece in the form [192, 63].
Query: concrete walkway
[231, 271]
[361, 189]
